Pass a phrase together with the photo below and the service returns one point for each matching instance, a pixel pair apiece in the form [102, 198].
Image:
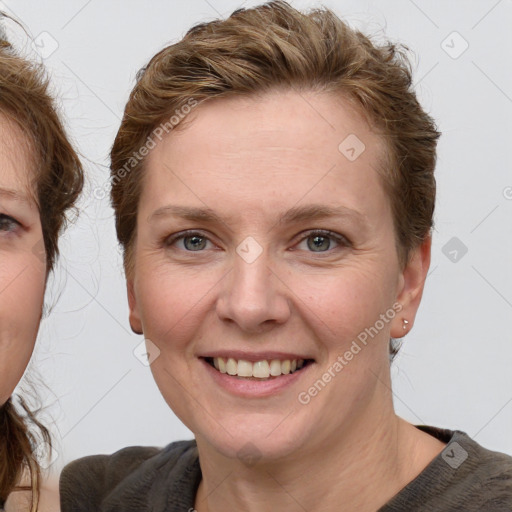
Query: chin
[255, 440]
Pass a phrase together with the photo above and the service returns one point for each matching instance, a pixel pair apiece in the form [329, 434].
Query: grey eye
[319, 243]
[323, 241]
[196, 243]
[8, 223]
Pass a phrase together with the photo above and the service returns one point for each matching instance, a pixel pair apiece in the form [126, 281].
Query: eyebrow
[293, 215]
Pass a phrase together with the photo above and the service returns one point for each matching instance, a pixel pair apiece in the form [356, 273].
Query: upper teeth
[261, 369]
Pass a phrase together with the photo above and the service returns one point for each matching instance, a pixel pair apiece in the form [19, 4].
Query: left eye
[321, 241]
[8, 224]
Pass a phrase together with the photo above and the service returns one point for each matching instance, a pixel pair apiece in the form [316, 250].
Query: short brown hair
[275, 46]
[57, 182]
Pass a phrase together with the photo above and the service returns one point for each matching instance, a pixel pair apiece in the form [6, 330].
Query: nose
[253, 296]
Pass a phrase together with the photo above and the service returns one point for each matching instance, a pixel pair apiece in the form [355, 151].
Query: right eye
[8, 224]
[191, 241]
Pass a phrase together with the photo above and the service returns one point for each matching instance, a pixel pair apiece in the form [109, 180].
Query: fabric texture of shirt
[464, 477]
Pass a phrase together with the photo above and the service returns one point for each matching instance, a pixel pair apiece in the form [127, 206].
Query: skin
[250, 160]
[22, 283]
[49, 500]
[22, 264]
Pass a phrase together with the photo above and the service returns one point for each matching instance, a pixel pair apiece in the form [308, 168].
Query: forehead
[267, 152]
[15, 162]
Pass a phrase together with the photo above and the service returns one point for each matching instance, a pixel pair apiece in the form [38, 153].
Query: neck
[359, 469]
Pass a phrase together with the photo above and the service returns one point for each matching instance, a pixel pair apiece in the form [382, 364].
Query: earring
[404, 326]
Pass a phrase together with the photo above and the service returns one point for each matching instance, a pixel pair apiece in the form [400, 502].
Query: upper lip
[254, 356]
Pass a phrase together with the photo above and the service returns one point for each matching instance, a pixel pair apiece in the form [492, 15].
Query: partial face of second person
[22, 268]
[255, 282]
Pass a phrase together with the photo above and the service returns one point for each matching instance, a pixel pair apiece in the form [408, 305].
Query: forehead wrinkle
[318, 211]
[293, 215]
[14, 195]
[190, 213]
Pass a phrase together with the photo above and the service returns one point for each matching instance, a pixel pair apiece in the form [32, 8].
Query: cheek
[345, 302]
[172, 303]
[22, 281]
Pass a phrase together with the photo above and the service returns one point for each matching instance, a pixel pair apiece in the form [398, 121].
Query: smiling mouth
[259, 370]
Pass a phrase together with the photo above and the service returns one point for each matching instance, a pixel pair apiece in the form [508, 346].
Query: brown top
[464, 477]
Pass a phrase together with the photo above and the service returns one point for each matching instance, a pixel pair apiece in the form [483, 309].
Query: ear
[410, 290]
[135, 322]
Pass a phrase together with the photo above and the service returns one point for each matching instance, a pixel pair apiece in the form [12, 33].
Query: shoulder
[464, 476]
[489, 468]
[92, 482]
[491, 475]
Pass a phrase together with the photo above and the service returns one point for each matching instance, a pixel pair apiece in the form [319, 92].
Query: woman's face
[22, 260]
[264, 236]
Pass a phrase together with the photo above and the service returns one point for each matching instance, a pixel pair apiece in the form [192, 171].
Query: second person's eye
[8, 224]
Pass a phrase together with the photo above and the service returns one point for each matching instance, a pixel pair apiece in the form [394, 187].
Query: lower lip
[250, 388]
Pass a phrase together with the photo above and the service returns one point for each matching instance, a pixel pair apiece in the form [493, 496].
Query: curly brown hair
[57, 182]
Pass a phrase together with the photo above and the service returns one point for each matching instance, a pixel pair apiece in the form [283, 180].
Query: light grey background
[454, 369]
